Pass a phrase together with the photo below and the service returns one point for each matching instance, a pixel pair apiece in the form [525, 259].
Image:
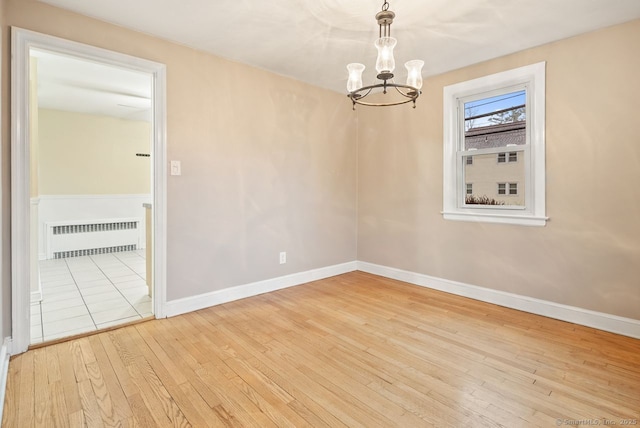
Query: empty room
[320, 213]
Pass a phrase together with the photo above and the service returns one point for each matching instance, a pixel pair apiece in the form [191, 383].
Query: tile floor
[82, 294]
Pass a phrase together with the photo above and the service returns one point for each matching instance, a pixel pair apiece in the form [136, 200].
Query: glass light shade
[355, 76]
[414, 73]
[385, 61]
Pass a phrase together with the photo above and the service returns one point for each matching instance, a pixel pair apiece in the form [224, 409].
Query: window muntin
[468, 133]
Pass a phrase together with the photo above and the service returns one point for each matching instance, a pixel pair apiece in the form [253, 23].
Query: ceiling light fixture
[385, 64]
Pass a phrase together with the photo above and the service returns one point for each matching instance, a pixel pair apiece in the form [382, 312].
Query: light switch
[176, 169]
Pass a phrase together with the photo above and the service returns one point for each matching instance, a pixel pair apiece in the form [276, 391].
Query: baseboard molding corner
[599, 320]
[201, 301]
[36, 296]
[5, 353]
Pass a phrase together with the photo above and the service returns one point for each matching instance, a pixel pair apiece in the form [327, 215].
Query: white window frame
[532, 79]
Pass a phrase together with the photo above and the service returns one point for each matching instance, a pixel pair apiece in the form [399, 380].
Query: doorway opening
[90, 184]
[87, 190]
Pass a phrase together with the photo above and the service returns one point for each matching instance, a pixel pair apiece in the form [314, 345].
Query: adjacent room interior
[90, 180]
[316, 261]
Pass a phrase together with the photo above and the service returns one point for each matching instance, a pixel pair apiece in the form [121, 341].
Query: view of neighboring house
[498, 176]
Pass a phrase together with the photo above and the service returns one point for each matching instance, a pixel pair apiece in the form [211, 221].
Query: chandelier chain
[385, 5]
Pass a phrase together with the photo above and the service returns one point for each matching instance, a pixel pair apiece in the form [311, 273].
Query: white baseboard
[5, 353]
[36, 296]
[602, 321]
[194, 303]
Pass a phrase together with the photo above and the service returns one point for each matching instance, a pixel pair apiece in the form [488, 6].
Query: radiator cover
[89, 237]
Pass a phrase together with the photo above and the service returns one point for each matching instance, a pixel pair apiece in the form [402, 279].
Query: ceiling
[313, 40]
[73, 84]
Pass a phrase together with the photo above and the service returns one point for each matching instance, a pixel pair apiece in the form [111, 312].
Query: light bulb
[414, 73]
[385, 62]
[355, 76]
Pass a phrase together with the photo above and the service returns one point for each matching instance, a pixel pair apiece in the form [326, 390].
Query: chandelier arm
[357, 96]
[408, 94]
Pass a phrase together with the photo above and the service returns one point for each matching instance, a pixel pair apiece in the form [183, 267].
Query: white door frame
[21, 42]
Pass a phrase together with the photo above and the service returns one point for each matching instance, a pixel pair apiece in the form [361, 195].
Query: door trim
[21, 42]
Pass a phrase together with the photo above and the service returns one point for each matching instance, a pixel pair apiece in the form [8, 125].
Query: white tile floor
[82, 294]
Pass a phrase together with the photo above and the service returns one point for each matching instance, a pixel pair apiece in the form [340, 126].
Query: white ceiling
[313, 40]
[74, 84]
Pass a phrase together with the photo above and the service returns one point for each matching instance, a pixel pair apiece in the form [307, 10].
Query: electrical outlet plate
[283, 257]
[176, 168]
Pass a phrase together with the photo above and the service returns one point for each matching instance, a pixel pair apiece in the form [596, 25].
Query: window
[513, 156]
[496, 123]
[512, 187]
[502, 188]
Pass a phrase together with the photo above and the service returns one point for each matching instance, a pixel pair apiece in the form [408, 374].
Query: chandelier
[385, 64]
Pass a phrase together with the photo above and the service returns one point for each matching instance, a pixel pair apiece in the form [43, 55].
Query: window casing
[528, 191]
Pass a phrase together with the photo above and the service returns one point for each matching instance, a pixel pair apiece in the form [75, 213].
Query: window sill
[523, 220]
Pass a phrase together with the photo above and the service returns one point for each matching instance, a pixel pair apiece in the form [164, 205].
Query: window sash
[461, 152]
[461, 189]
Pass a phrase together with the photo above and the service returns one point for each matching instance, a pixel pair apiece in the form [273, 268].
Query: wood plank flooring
[355, 350]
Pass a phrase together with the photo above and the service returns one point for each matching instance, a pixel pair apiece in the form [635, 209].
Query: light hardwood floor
[352, 350]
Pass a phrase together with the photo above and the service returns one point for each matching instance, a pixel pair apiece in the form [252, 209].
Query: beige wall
[267, 162]
[100, 149]
[588, 254]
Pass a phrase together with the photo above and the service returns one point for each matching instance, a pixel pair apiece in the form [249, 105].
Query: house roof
[500, 135]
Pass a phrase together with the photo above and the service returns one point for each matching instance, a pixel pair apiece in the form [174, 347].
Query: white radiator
[88, 237]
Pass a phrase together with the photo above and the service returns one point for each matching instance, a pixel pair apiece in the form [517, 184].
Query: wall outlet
[283, 257]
